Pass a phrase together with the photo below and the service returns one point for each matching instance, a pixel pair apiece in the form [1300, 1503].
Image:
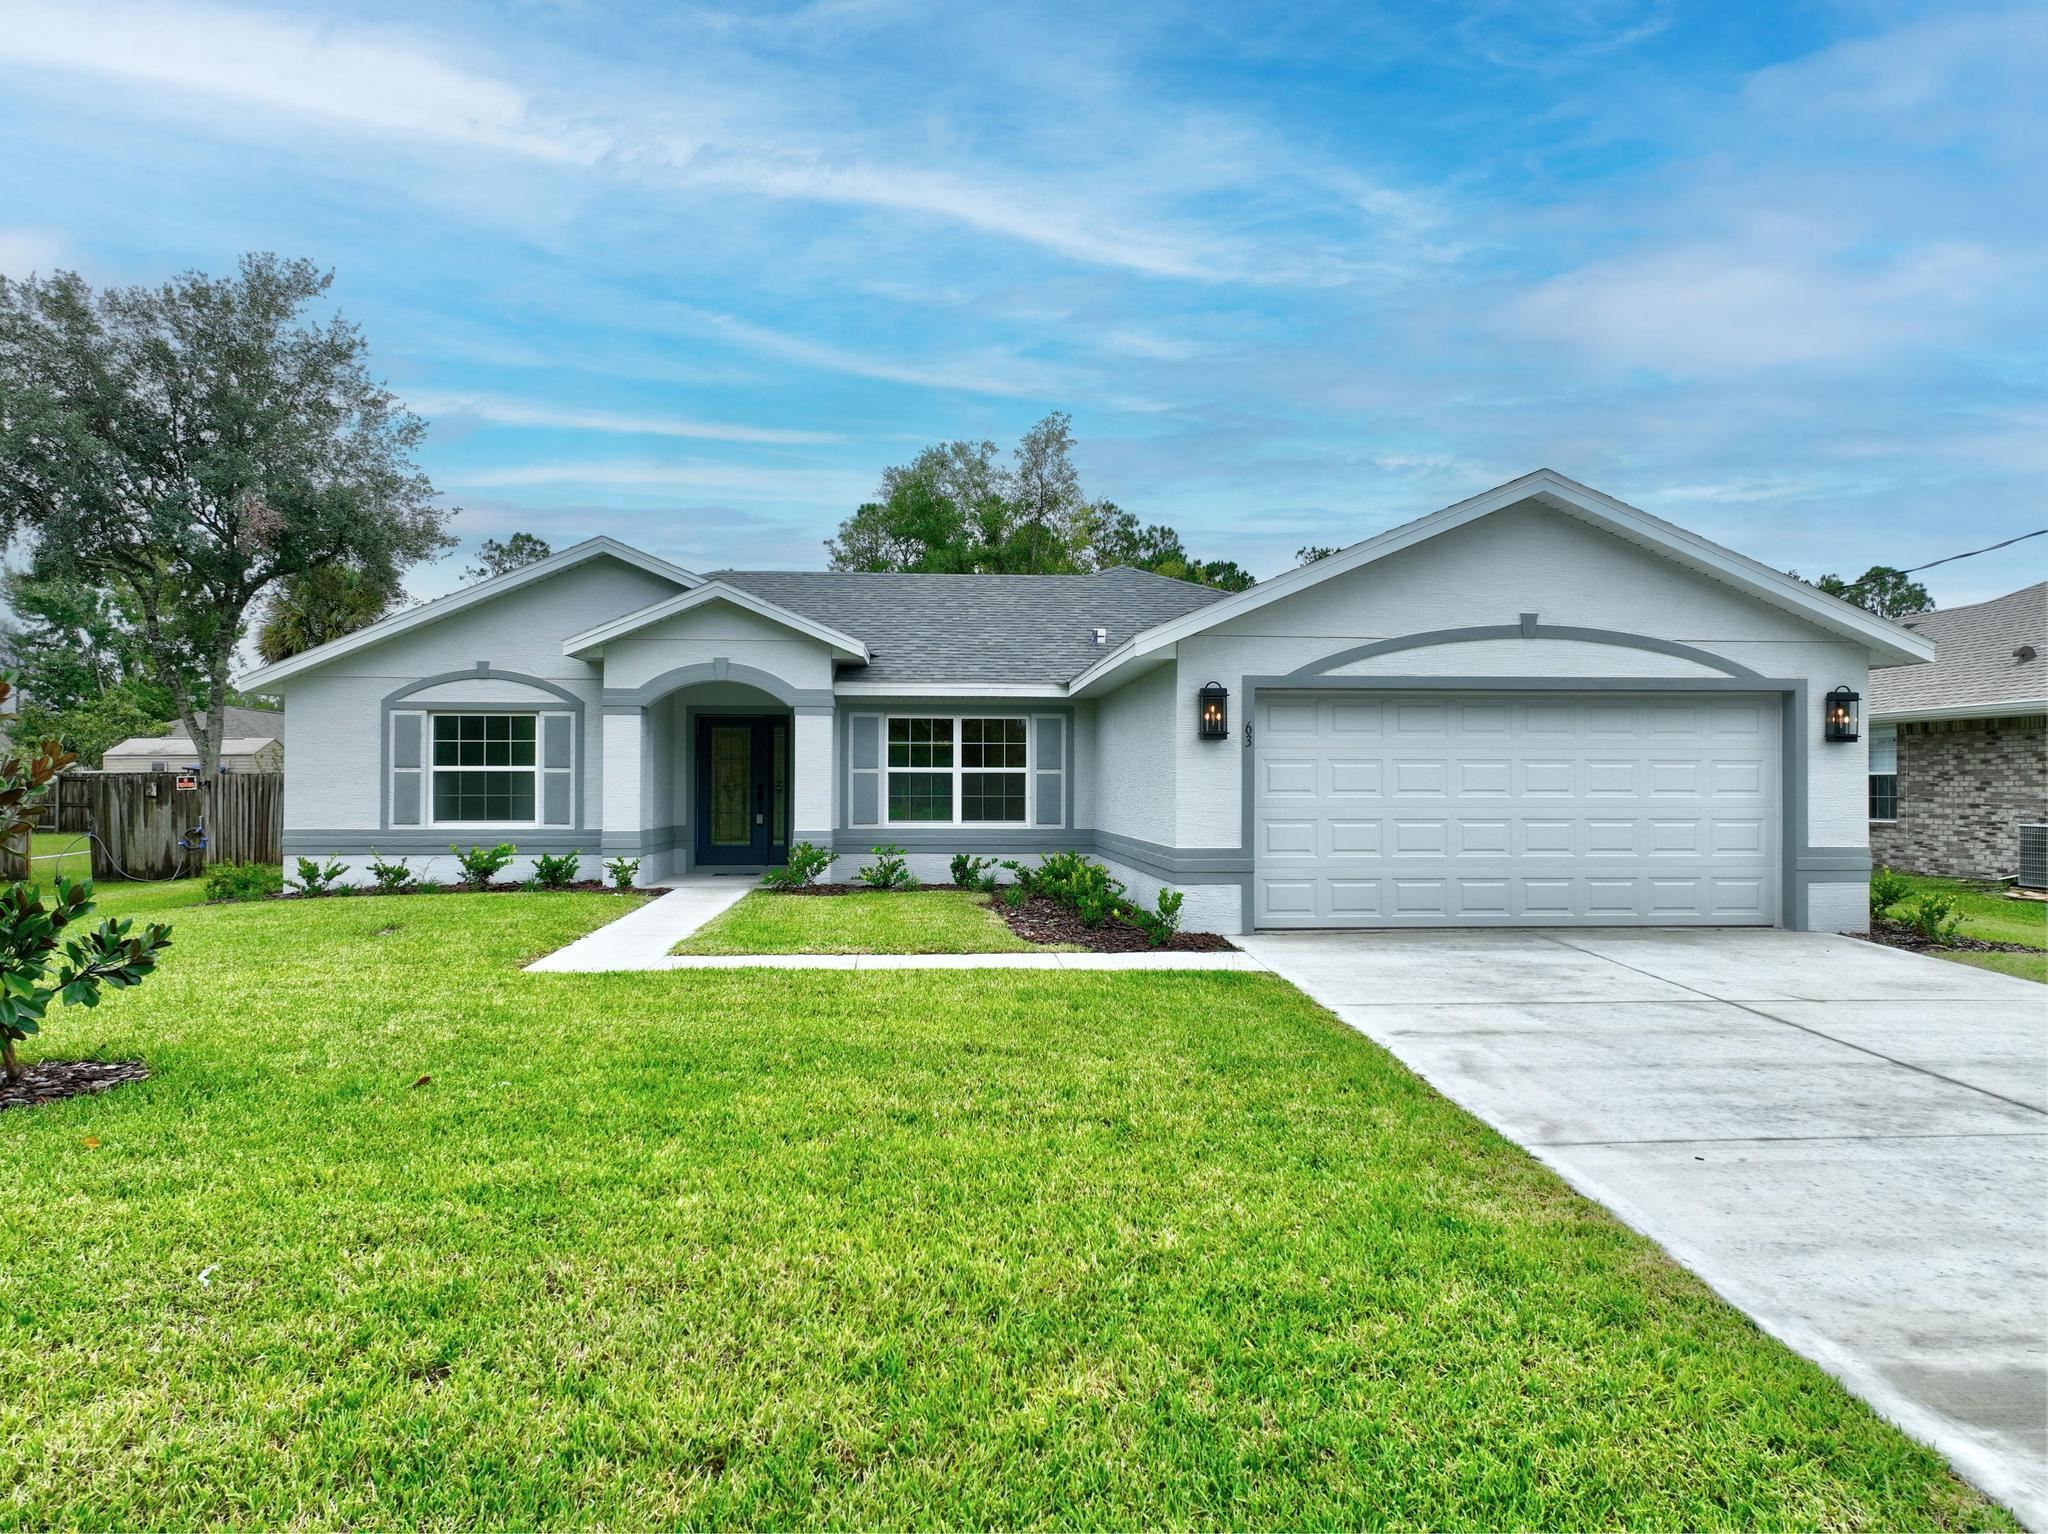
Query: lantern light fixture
[1212, 712]
[1839, 722]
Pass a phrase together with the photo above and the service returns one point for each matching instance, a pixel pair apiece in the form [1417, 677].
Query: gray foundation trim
[652, 839]
[1527, 628]
[395, 702]
[1204, 865]
[1799, 863]
[981, 839]
[411, 842]
[806, 698]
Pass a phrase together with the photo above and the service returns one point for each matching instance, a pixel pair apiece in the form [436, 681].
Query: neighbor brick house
[1959, 746]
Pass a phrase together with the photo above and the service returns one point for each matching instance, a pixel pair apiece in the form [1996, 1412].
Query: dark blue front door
[742, 789]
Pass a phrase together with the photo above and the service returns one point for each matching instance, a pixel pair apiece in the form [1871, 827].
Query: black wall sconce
[1839, 722]
[1212, 712]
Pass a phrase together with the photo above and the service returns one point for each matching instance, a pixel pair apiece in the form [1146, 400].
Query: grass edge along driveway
[1989, 915]
[397, 1234]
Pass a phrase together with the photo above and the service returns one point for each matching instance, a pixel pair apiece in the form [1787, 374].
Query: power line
[2022, 538]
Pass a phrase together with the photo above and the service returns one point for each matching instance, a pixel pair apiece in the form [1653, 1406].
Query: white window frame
[430, 769]
[958, 770]
[1869, 774]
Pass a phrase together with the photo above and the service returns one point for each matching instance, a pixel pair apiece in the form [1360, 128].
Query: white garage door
[1525, 809]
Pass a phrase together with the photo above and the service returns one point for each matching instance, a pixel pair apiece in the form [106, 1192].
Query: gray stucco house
[1539, 706]
[1959, 747]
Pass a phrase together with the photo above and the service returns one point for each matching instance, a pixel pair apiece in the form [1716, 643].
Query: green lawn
[1987, 914]
[398, 1235]
[895, 921]
[52, 853]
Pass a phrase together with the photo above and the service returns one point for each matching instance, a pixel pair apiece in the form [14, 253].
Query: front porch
[721, 770]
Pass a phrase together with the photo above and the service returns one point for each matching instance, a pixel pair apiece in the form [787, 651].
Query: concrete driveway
[1848, 1142]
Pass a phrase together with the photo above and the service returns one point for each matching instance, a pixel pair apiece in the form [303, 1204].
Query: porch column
[814, 797]
[625, 778]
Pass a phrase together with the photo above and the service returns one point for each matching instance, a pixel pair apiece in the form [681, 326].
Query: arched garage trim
[1528, 628]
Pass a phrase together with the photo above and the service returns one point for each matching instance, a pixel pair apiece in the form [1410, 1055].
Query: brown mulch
[50, 1081]
[1897, 934]
[1039, 920]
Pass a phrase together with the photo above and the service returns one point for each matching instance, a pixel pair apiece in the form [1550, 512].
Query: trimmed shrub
[622, 872]
[482, 865]
[889, 871]
[319, 878]
[1887, 889]
[393, 878]
[556, 870]
[805, 865]
[973, 873]
[243, 881]
[1935, 917]
[49, 953]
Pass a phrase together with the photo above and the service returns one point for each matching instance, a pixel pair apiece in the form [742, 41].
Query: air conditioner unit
[2034, 857]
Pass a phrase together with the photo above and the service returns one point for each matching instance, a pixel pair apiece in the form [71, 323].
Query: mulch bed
[1039, 920]
[51, 1081]
[1896, 934]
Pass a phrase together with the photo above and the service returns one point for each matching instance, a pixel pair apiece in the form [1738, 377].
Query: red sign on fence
[187, 782]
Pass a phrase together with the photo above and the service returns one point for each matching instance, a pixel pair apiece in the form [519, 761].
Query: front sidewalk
[646, 939]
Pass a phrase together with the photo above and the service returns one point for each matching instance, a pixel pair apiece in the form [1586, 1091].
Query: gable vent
[1101, 637]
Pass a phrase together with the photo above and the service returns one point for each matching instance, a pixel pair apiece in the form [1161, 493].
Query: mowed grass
[396, 1235]
[867, 921]
[52, 853]
[1989, 915]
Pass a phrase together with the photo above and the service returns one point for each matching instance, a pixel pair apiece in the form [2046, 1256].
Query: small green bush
[1160, 923]
[889, 871]
[319, 878]
[1071, 879]
[1935, 917]
[1015, 895]
[393, 877]
[1887, 889]
[556, 870]
[243, 881]
[622, 872]
[804, 866]
[482, 865]
[973, 873]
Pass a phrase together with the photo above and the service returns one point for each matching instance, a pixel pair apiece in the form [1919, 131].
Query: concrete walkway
[1846, 1141]
[643, 938]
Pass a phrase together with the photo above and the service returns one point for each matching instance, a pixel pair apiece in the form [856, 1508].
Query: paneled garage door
[1526, 809]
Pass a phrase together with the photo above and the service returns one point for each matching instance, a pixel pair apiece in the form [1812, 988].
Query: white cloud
[384, 82]
[26, 251]
[730, 134]
[498, 410]
[838, 487]
[1756, 303]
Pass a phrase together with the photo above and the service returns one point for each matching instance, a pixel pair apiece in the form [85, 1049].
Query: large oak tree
[190, 445]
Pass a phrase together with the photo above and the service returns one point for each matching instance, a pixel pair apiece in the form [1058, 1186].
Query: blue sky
[692, 275]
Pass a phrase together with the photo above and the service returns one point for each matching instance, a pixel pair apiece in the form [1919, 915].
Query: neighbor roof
[1019, 630]
[243, 723]
[180, 746]
[1978, 670]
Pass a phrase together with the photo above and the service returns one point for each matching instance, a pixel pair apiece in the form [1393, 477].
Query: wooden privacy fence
[137, 819]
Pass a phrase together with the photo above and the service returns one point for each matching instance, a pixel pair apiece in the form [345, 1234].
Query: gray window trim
[1055, 837]
[395, 701]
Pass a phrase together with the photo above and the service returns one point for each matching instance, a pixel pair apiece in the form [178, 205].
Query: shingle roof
[1978, 664]
[977, 628]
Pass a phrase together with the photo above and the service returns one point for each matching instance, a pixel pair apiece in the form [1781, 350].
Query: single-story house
[254, 743]
[1539, 706]
[1959, 746]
